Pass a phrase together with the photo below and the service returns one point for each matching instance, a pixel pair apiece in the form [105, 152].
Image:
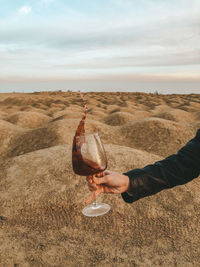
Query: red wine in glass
[88, 155]
[88, 159]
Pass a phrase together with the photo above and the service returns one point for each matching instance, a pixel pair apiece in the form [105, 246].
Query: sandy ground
[41, 199]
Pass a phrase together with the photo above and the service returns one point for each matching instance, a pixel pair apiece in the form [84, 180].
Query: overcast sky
[135, 45]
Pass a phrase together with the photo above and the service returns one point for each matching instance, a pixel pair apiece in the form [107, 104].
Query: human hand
[107, 182]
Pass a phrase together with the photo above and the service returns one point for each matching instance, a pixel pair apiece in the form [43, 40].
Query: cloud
[25, 10]
[46, 2]
[64, 41]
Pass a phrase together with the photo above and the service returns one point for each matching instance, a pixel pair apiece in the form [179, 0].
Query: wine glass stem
[94, 203]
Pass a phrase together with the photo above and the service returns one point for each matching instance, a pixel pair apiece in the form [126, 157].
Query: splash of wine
[81, 165]
[81, 127]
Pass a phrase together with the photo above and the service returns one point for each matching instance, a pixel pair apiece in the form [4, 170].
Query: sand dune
[28, 119]
[197, 116]
[177, 115]
[121, 118]
[41, 199]
[2, 115]
[8, 132]
[162, 137]
[67, 115]
[60, 131]
[118, 118]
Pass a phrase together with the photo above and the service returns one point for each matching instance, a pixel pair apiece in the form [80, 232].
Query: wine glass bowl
[89, 155]
[88, 159]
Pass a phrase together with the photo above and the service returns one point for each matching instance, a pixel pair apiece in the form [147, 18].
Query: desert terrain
[41, 199]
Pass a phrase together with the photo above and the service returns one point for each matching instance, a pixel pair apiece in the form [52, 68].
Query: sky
[102, 45]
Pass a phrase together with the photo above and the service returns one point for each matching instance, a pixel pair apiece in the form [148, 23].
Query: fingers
[100, 174]
[107, 172]
[89, 179]
[93, 196]
[96, 180]
[102, 180]
[91, 184]
[92, 187]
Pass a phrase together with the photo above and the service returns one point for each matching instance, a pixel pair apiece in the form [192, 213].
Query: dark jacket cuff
[142, 184]
[131, 195]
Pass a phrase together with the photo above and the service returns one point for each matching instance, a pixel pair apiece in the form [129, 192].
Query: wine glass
[88, 159]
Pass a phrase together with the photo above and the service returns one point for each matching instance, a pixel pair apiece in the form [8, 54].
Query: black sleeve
[175, 170]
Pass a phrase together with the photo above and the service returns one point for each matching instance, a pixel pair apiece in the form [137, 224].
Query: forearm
[175, 170]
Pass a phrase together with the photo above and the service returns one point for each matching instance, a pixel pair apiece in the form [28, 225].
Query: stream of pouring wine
[81, 129]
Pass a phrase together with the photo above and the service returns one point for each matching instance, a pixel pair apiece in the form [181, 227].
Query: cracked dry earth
[41, 199]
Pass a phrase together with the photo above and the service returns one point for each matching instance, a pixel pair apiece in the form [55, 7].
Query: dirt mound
[97, 113]
[121, 118]
[63, 115]
[118, 118]
[140, 114]
[160, 109]
[35, 101]
[157, 136]
[177, 115]
[55, 133]
[44, 195]
[29, 108]
[196, 123]
[197, 116]
[52, 134]
[69, 115]
[2, 115]
[41, 209]
[8, 132]
[28, 119]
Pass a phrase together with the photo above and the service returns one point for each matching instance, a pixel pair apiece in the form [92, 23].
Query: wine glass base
[96, 209]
